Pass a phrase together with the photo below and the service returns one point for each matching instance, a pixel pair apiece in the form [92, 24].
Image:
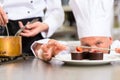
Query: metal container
[10, 46]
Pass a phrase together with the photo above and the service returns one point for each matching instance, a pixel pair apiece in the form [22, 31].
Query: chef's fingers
[44, 47]
[61, 46]
[25, 32]
[30, 32]
[52, 42]
[117, 50]
[3, 22]
[58, 50]
[3, 17]
[47, 56]
[20, 24]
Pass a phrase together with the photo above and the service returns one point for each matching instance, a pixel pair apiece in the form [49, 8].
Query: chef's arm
[54, 17]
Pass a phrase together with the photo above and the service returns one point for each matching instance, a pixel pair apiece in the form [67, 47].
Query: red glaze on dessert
[79, 49]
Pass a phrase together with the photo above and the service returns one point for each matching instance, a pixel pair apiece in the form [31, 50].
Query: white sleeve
[54, 16]
[115, 44]
[1, 3]
[42, 41]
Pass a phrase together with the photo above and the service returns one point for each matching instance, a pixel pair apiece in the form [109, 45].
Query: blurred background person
[49, 13]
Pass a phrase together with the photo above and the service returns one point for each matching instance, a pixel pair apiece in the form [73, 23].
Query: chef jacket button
[28, 11]
[31, 1]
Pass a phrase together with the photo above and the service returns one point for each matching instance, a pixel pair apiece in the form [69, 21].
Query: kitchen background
[68, 30]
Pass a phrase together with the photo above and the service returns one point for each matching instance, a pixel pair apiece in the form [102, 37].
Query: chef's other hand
[47, 53]
[43, 52]
[117, 50]
[57, 46]
[3, 17]
[33, 29]
[49, 50]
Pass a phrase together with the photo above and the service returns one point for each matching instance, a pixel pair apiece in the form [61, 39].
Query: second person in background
[49, 12]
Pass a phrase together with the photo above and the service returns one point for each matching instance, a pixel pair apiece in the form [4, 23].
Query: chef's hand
[33, 29]
[3, 17]
[47, 51]
[57, 47]
[117, 50]
[51, 49]
[42, 51]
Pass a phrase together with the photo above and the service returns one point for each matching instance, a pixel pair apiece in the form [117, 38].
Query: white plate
[107, 59]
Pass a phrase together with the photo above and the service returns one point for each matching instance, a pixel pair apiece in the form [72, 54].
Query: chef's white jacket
[20, 9]
[115, 44]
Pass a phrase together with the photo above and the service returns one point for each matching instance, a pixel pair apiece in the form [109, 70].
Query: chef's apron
[13, 27]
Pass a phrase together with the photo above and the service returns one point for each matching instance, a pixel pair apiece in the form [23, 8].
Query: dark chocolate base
[77, 56]
[95, 56]
[86, 55]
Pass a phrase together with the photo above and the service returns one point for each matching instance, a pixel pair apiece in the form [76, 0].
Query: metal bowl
[10, 46]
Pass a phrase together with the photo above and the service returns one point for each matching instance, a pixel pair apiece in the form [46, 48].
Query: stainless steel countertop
[35, 69]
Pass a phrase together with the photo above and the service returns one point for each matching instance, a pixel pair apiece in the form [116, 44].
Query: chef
[94, 20]
[17, 13]
[94, 24]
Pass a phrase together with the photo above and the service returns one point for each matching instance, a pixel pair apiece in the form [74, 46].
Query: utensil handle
[97, 48]
[91, 47]
[7, 30]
